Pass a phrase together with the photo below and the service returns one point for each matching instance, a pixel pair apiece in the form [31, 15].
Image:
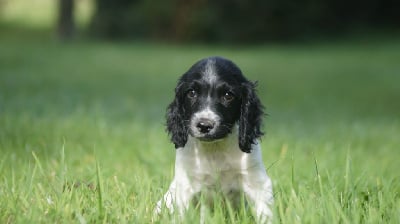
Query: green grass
[82, 129]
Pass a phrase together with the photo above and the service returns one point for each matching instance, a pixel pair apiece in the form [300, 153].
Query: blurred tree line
[239, 20]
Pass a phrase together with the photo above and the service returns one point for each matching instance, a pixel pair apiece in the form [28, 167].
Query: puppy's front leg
[258, 189]
[167, 200]
[175, 198]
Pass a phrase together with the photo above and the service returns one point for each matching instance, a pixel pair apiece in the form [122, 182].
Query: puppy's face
[211, 97]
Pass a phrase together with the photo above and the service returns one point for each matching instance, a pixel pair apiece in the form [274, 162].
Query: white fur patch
[210, 73]
[208, 114]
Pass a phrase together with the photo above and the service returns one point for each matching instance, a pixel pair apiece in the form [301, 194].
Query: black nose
[205, 126]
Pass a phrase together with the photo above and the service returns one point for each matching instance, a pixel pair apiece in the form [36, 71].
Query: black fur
[176, 125]
[244, 109]
[251, 115]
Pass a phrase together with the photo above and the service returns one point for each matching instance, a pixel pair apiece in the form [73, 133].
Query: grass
[82, 129]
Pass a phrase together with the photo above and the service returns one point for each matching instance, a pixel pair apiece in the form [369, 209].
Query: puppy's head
[210, 99]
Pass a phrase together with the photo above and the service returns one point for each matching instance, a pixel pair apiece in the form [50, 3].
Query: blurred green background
[88, 81]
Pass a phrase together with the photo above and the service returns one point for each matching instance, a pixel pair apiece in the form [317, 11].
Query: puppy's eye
[228, 97]
[192, 93]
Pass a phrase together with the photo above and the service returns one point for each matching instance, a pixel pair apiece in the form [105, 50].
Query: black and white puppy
[214, 122]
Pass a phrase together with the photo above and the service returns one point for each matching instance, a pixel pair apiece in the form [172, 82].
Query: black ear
[176, 126]
[251, 115]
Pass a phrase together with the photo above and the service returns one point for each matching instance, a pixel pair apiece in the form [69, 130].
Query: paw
[264, 214]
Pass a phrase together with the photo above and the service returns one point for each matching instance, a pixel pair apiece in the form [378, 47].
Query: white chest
[203, 171]
[214, 168]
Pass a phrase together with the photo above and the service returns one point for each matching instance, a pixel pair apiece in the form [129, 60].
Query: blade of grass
[294, 185]
[99, 192]
[38, 163]
[347, 173]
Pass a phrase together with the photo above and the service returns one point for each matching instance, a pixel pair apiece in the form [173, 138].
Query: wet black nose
[205, 126]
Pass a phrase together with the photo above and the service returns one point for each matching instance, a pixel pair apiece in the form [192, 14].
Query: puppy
[214, 122]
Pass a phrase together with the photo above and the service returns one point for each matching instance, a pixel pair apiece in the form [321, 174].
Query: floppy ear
[176, 126]
[250, 117]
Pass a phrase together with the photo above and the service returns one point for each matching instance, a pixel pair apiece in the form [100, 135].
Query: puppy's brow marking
[209, 72]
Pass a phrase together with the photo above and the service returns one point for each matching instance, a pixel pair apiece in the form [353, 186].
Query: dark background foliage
[240, 20]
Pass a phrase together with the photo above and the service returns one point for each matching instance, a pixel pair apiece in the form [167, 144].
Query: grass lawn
[82, 129]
